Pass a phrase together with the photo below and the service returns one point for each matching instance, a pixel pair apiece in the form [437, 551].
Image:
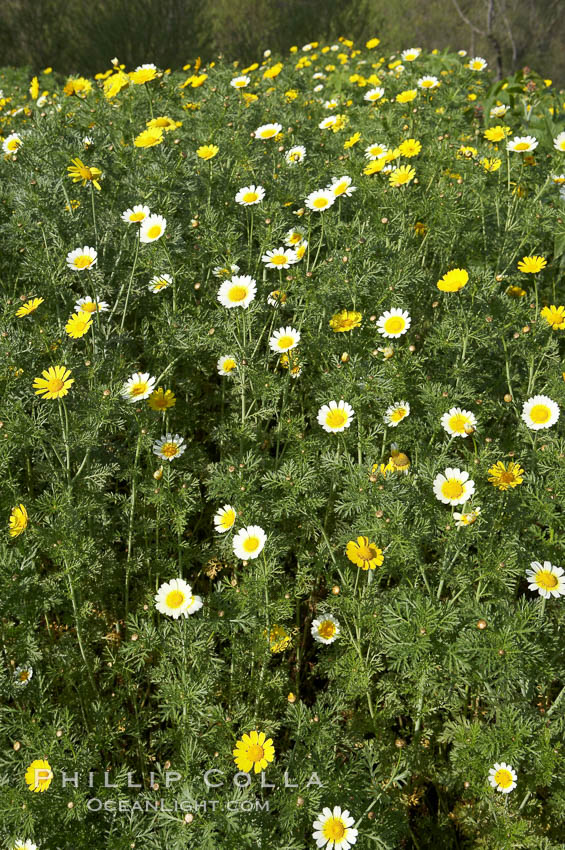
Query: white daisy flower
[522, 144]
[327, 123]
[279, 258]
[477, 64]
[249, 195]
[224, 519]
[284, 340]
[195, 604]
[411, 54]
[88, 305]
[334, 829]
[268, 131]
[22, 675]
[20, 844]
[320, 200]
[295, 154]
[558, 179]
[547, 579]
[240, 82]
[81, 259]
[159, 282]
[335, 416]
[226, 365]
[326, 629]
[237, 292]
[319, 87]
[458, 423]
[169, 447]
[174, 598]
[464, 519]
[136, 215]
[394, 323]
[454, 487]
[11, 144]
[301, 249]
[540, 412]
[499, 111]
[152, 228]
[331, 104]
[428, 82]
[225, 271]
[138, 387]
[396, 413]
[294, 236]
[559, 142]
[88, 142]
[374, 94]
[503, 777]
[375, 151]
[248, 542]
[342, 186]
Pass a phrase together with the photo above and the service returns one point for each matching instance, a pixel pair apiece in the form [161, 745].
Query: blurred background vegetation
[82, 36]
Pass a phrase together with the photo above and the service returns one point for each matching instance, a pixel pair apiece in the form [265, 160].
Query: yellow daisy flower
[402, 175]
[532, 265]
[505, 477]
[55, 382]
[161, 399]
[366, 555]
[346, 320]
[453, 280]
[254, 752]
[207, 151]
[29, 307]
[18, 520]
[149, 138]
[79, 324]
[79, 172]
[555, 317]
[38, 776]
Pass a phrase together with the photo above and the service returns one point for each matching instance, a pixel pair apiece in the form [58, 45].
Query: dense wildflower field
[282, 378]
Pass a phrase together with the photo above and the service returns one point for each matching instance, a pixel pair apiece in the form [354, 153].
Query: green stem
[131, 514]
[65, 430]
[129, 285]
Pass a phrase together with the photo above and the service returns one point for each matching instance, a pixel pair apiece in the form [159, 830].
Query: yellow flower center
[249, 197]
[334, 829]
[138, 389]
[507, 477]
[83, 261]
[366, 553]
[237, 293]
[336, 418]
[229, 365]
[227, 519]
[457, 423]
[154, 231]
[24, 676]
[174, 599]
[522, 146]
[540, 413]
[251, 544]
[326, 629]
[452, 489]
[320, 203]
[13, 144]
[255, 753]
[55, 384]
[398, 414]
[340, 189]
[295, 156]
[547, 580]
[285, 342]
[88, 307]
[394, 325]
[503, 778]
[266, 134]
[170, 449]
[279, 259]
[137, 216]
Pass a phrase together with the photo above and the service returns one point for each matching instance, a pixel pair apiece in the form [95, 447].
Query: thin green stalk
[129, 286]
[65, 430]
[131, 514]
